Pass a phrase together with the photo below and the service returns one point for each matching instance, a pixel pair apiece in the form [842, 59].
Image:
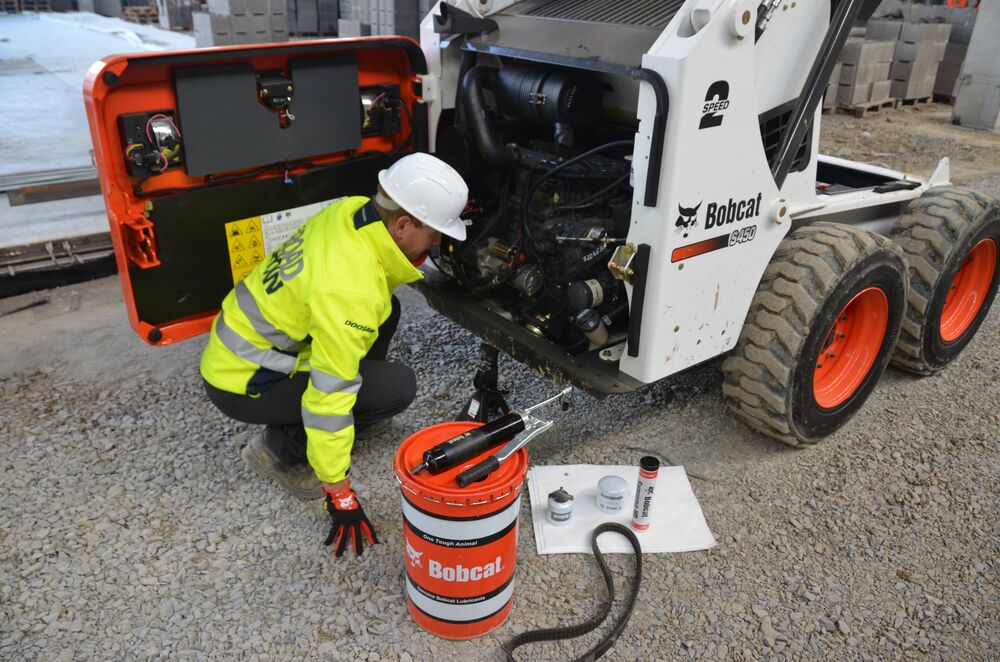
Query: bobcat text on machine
[646, 193]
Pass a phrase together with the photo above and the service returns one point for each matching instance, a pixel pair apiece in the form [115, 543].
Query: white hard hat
[430, 190]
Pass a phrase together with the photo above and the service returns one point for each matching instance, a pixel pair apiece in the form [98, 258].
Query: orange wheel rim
[968, 290]
[851, 347]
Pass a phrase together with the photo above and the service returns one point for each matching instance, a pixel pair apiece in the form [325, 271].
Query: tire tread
[805, 269]
[932, 226]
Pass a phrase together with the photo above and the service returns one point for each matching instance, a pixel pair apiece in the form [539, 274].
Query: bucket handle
[408, 489]
[452, 503]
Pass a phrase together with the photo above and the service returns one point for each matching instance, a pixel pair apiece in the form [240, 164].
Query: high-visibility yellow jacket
[315, 304]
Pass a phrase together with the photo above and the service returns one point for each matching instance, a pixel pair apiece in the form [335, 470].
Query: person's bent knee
[386, 390]
[404, 386]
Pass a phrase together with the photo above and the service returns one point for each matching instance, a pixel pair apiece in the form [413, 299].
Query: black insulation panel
[225, 127]
[194, 274]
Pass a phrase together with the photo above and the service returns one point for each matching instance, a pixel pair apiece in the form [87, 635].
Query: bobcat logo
[687, 219]
[345, 503]
[413, 554]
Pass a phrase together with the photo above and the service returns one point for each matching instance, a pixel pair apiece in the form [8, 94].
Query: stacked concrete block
[919, 52]
[176, 14]
[211, 29]
[303, 17]
[962, 22]
[977, 103]
[864, 76]
[395, 17]
[355, 18]
[241, 22]
[328, 12]
[111, 8]
[832, 87]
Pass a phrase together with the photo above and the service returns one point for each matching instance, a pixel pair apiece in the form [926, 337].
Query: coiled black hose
[572, 631]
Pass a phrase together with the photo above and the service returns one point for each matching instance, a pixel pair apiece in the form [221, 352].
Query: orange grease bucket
[460, 543]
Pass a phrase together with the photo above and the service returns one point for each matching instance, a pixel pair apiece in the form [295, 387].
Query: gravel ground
[132, 530]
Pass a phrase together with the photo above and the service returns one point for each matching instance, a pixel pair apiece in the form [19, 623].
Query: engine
[550, 198]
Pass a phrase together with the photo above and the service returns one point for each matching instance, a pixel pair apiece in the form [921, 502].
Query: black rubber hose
[526, 199]
[468, 62]
[593, 198]
[487, 141]
[572, 631]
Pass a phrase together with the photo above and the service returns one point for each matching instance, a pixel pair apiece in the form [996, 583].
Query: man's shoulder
[350, 265]
[341, 208]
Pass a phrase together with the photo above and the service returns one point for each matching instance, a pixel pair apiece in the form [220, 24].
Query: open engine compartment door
[209, 158]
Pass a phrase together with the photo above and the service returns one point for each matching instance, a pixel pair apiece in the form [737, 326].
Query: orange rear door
[208, 158]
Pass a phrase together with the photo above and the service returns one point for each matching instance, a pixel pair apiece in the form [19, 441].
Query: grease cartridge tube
[649, 469]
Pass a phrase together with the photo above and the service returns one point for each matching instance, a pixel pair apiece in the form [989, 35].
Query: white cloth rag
[676, 520]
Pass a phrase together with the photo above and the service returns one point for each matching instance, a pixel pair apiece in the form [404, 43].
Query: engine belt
[572, 631]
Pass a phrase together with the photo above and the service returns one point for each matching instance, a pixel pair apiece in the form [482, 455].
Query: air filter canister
[547, 95]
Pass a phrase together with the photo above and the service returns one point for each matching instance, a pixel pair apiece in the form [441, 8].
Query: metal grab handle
[533, 428]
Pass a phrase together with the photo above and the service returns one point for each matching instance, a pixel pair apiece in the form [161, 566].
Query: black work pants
[386, 389]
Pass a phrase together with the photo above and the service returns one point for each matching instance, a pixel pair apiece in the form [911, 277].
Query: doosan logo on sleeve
[359, 327]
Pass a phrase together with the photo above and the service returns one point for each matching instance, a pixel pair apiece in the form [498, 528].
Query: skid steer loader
[647, 193]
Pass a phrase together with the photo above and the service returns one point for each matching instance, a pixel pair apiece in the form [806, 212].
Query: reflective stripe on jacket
[315, 305]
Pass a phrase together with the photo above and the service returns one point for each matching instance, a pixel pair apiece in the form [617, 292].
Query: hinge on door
[140, 242]
[620, 265]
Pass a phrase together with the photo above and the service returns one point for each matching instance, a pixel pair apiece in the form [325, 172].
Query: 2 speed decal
[716, 102]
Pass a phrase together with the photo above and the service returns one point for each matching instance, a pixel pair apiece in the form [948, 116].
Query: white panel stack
[211, 29]
[395, 17]
[978, 101]
[176, 14]
[241, 22]
[355, 18]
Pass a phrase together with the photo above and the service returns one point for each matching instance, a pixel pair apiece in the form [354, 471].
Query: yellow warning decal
[245, 240]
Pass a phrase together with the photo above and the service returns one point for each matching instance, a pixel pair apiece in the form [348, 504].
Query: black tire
[937, 234]
[816, 272]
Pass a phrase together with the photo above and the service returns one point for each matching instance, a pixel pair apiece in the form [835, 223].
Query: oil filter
[560, 507]
[611, 493]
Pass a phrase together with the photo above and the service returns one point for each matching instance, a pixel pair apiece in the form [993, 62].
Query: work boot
[373, 430]
[299, 480]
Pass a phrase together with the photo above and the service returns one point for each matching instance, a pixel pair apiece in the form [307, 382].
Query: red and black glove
[348, 522]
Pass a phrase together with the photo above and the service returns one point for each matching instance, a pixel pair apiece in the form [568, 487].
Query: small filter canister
[560, 507]
[611, 493]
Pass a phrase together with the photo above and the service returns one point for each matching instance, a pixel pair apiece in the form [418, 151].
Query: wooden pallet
[859, 110]
[944, 98]
[35, 5]
[829, 110]
[10, 6]
[144, 15]
[916, 102]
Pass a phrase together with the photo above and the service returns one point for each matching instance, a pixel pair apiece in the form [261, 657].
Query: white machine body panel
[719, 215]
[716, 194]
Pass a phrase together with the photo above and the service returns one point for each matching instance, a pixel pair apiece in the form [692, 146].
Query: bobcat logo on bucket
[413, 554]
